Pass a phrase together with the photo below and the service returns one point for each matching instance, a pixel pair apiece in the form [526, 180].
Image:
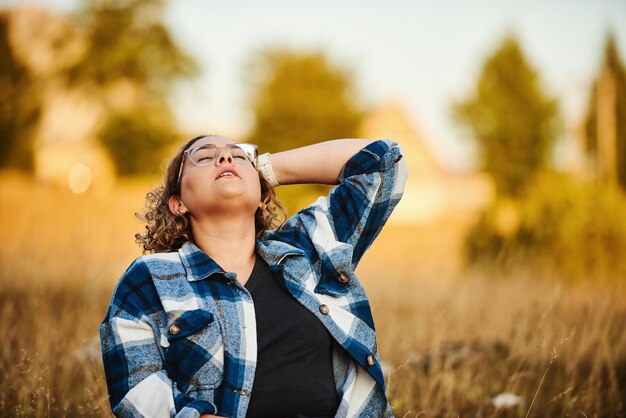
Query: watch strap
[265, 168]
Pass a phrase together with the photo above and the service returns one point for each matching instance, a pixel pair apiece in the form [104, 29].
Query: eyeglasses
[206, 154]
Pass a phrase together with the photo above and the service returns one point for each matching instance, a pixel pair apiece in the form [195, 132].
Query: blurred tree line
[129, 47]
[541, 218]
[512, 118]
[19, 107]
[129, 64]
[299, 98]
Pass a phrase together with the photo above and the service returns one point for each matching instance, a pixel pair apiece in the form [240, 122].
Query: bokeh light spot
[79, 178]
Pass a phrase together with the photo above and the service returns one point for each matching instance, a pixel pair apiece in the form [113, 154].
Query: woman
[231, 317]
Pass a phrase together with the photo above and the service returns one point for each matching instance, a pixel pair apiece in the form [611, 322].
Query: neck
[229, 241]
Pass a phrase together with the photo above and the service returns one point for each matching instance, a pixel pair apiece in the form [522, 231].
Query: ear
[176, 205]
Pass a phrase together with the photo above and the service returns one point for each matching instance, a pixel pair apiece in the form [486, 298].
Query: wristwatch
[265, 168]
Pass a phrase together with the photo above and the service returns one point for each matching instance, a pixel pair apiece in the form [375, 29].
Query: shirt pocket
[335, 269]
[195, 356]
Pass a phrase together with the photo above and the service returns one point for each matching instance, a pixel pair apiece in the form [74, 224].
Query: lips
[226, 173]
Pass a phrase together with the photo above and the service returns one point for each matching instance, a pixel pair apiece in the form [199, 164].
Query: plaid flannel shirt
[179, 337]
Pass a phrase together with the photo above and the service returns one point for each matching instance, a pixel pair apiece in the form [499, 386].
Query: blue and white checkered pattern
[179, 338]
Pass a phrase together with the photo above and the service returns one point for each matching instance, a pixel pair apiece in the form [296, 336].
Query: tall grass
[451, 342]
[455, 345]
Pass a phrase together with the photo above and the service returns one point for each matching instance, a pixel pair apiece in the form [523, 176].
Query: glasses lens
[238, 152]
[247, 151]
[203, 155]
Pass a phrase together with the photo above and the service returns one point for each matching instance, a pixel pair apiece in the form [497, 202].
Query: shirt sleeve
[136, 377]
[370, 185]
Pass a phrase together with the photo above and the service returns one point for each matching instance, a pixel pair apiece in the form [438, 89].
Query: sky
[424, 54]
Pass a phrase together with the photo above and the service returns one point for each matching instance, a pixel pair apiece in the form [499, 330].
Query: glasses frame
[253, 157]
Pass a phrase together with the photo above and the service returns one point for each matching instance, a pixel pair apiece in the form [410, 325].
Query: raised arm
[318, 163]
[370, 177]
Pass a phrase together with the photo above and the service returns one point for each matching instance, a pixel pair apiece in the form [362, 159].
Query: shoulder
[136, 289]
[146, 269]
[159, 263]
[150, 264]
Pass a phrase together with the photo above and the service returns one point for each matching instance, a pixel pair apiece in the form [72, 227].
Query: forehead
[213, 139]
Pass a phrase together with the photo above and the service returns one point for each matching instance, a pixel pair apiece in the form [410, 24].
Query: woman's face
[227, 183]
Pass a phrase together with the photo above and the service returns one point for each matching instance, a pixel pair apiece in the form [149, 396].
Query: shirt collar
[197, 263]
[273, 252]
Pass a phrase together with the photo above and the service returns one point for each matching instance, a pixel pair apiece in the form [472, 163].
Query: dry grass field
[453, 344]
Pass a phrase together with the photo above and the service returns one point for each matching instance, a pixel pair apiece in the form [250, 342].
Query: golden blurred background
[497, 285]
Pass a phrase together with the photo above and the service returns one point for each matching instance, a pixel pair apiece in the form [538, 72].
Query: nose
[224, 157]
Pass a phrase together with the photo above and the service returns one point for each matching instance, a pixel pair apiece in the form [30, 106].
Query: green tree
[299, 98]
[19, 107]
[129, 48]
[612, 76]
[512, 119]
[137, 156]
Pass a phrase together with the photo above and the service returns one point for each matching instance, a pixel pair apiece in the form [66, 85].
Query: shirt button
[174, 329]
[324, 309]
[343, 278]
[243, 392]
[370, 360]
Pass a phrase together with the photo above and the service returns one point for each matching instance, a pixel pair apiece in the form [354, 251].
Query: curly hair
[167, 232]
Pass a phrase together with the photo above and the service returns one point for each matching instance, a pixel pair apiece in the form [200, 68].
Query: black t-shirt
[294, 375]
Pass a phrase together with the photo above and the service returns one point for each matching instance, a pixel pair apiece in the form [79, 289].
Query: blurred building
[67, 153]
[432, 192]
